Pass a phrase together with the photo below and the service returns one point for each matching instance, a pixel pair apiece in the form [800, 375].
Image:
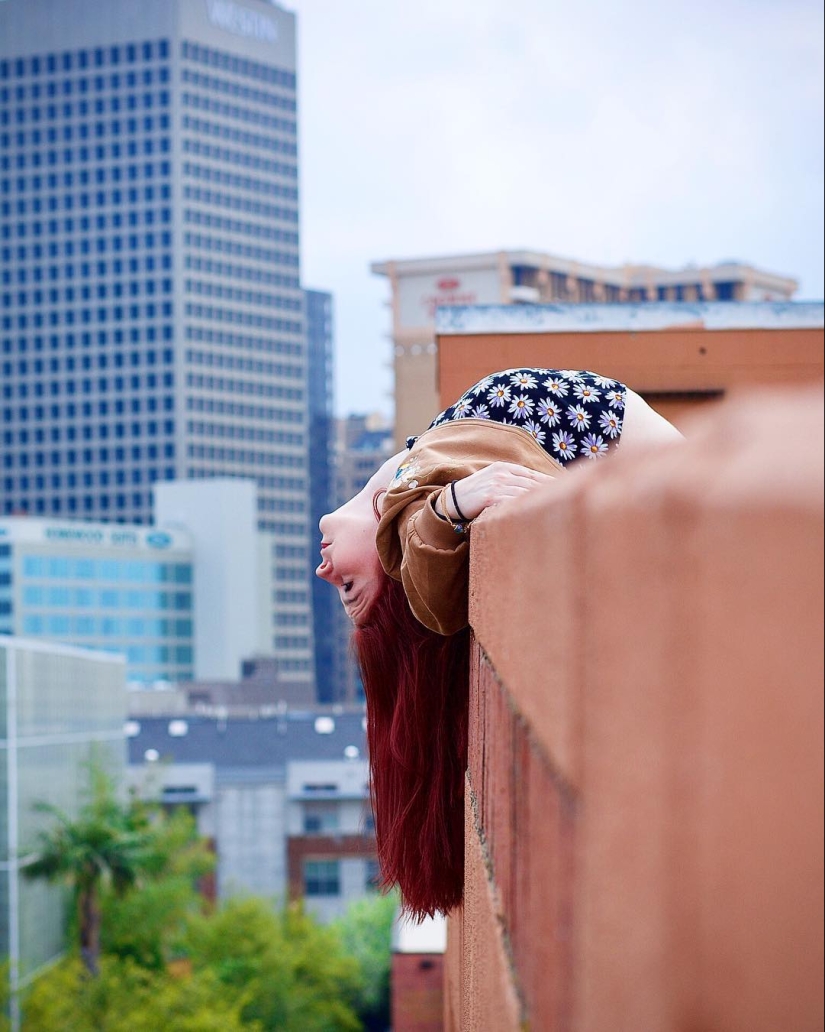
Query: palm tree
[107, 844]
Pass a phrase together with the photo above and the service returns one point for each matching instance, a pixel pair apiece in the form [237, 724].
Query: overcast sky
[664, 131]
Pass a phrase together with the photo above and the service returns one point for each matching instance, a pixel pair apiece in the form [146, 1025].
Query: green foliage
[149, 925]
[170, 962]
[107, 850]
[366, 934]
[107, 843]
[5, 1024]
[127, 998]
[294, 972]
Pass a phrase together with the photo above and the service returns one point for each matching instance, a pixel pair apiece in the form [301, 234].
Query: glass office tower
[59, 707]
[151, 319]
[103, 586]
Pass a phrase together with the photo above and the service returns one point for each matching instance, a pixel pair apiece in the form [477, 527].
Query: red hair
[416, 684]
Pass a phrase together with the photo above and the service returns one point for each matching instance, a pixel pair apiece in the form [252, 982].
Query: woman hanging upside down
[398, 554]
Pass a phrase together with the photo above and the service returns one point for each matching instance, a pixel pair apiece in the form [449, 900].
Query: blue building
[319, 323]
[109, 587]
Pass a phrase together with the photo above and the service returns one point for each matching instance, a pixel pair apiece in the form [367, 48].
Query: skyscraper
[152, 318]
[363, 443]
[321, 479]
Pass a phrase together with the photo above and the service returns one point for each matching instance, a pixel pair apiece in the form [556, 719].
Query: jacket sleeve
[414, 545]
[434, 566]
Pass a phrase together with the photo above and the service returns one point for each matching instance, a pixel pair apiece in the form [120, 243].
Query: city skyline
[152, 317]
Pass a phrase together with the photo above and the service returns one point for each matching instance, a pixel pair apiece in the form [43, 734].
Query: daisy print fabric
[572, 413]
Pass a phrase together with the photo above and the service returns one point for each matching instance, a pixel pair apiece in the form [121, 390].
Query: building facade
[152, 317]
[194, 597]
[331, 858]
[59, 706]
[363, 443]
[282, 796]
[319, 323]
[110, 587]
[422, 285]
[678, 356]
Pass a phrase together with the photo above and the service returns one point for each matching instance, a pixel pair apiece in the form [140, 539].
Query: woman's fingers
[494, 483]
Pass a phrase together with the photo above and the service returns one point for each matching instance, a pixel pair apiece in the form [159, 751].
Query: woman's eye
[347, 587]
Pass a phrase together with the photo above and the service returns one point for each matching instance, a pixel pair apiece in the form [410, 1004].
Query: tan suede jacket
[421, 550]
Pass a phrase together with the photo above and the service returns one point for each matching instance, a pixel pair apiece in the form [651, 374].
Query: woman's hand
[489, 486]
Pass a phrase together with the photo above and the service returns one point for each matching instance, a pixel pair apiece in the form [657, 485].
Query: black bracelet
[458, 511]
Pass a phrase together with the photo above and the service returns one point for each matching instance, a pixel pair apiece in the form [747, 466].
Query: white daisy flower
[556, 386]
[549, 411]
[461, 408]
[564, 445]
[610, 423]
[498, 395]
[535, 430]
[585, 393]
[482, 385]
[615, 398]
[593, 445]
[481, 412]
[571, 374]
[521, 407]
[603, 381]
[579, 417]
[523, 380]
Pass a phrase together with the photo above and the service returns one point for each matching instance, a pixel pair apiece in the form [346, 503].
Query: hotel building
[420, 286]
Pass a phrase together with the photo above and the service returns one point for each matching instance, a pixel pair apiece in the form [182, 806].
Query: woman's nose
[325, 569]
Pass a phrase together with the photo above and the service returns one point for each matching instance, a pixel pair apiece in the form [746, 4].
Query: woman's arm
[643, 425]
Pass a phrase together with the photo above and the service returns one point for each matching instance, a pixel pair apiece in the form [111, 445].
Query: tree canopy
[169, 959]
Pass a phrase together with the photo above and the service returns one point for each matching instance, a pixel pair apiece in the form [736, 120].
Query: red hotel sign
[448, 293]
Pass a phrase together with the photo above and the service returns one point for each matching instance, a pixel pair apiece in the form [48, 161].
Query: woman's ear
[377, 498]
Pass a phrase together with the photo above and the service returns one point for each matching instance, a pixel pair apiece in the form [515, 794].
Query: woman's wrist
[446, 508]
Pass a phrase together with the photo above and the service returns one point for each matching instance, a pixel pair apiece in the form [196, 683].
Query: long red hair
[417, 691]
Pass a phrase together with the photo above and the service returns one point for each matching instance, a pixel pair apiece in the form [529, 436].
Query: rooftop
[645, 316]
[628, 274]
[265, 741]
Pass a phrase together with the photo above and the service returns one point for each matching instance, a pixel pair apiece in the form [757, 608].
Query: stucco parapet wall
[645, 317]
[760, 453]
[655, 626]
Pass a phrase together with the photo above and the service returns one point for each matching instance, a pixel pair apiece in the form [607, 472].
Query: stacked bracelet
[459, 526]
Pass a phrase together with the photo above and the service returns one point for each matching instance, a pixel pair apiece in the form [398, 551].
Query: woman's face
[349, 560]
